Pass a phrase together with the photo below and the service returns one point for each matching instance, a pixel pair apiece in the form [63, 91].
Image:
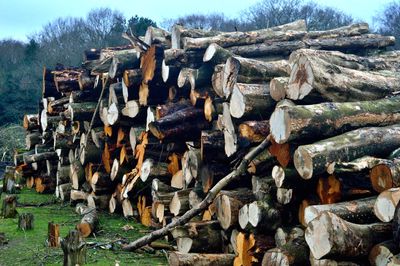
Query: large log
[313, 159]
[244, 70]
[328, 235]
[304, 122]
[290, 31]
[178, 32]
[311, 74]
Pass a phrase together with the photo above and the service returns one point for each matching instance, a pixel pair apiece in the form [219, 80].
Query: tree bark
[328, 236]
[53, 235]
[313, 159]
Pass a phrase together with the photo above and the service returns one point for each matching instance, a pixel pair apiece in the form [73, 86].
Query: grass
[29, 247]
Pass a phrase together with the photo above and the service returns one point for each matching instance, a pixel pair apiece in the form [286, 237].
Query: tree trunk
[329, 119]
[337, 83]
[195, 259]
[25, 221]
[251, 101]
[74, 249]
[313, 159]
[328, 236]
[243, 70]
[228, 39]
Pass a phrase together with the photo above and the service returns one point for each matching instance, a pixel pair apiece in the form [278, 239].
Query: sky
[19, 18]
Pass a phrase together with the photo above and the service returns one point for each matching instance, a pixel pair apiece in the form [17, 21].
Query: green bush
[12, 137]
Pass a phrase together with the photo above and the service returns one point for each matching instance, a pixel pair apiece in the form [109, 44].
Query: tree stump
[25, 221]
[9, 207]
[74, 249]
[53, 235]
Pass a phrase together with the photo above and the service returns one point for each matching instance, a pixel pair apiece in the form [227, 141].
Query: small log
[230, 136]
[284, 235]
[32, 139]
[385, 204]
[74, 249]
[151, 170]
[25, 221]
[263, 214]
[180, 202]
[329, 235]
[262, 188]
[196, 259]
[244, 70]
[89, 221]
[313, 159]
[155, 35]
[385, 175]
[53, 235]
[64, 191]
[215, 54]
[28, 159]
[9, 205]
[77, 174]
[296, 252]
[383, 253]
[254, 131]
[212, 146]
[251, 101]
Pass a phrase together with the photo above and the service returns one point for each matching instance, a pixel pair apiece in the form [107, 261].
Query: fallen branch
[236, 173]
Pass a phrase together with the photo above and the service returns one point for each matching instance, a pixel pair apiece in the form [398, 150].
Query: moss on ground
[29, 247]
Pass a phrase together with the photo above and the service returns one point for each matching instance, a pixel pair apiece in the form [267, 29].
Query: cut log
[181, 58]
[263, 188]
[151, 170]
[25, 221]
[89, 221]
[251, 248]
[284, 236]
[263, 215]
[121, 62]
[64, 191]
[31, 122]
[230, 136]
[363, 164]
[215, 54]
[244, 70]
[241, 38]
[381, 254]
[311, 160]
[170, 108]
[385, 175]
[74, 249]
[293, 253]
[336, 83]
[357, 211]
[386, 203]
[285, 177]
[262, 163]
[329, 119]
[196, 259]
[53, 235]
[178, 32]
[77, 174]
[9, 204]
[228, 204]
[34, 158]
[180, 202]
[212, 146]
[204, 236]
[155, 35]
[254, 131]
[328, 235]
[251, 101]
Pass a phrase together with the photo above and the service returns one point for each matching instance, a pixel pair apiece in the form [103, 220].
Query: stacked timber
[148, 130]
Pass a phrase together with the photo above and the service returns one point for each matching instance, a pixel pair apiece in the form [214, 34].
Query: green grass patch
[29, 247]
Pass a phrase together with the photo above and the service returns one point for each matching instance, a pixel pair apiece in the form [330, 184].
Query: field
[29, 247]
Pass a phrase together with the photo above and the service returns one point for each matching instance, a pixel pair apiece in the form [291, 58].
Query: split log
[89, 221]
[382, 254]
[74, 249]
[386, 203]
[204, 236]
[77, 174]
[385, 175]
[25, 221]
[356, 211]
[244, 70]
[290, 31]
[329, 235]
[313, 159]
[336, 83]
[329, 119]
[196, 259]
[53, 235]
[9, 204]
[278, 87]
[251, 101]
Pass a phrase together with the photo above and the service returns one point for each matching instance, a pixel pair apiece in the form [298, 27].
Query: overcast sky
[18, 18]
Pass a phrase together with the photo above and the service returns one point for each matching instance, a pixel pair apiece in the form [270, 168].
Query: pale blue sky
[18, 18]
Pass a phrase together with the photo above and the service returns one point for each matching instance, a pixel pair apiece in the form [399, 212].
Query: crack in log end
[301, 75]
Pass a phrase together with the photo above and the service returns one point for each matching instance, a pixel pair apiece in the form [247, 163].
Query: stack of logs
[147, 129]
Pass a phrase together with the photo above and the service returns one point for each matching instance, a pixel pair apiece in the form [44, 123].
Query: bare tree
[389, 21]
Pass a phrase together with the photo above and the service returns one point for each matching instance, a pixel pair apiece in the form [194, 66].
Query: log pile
[148, 129]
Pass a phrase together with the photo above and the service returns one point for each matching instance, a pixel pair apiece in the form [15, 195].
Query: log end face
[254, 214]
[303, 163]
[164, 71]
[280, 125]
[278, 174]
[237, 103]
[301, 79]
[224, 212]
[310, 213]
[209, 53]
[275, 257]
[244, 216]
[384, 209]
[381, 178]
[84, 229]
[318, 235]
[184, 244]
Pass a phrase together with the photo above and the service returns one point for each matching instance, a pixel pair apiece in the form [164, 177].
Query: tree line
[65, 39]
